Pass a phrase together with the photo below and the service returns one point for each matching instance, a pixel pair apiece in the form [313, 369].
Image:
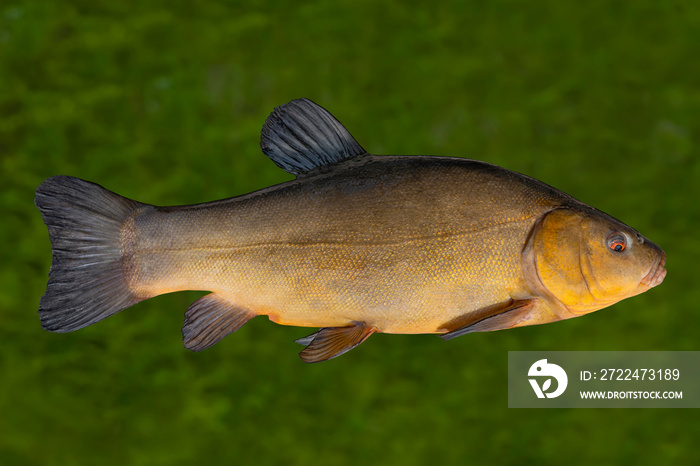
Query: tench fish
[356, 244]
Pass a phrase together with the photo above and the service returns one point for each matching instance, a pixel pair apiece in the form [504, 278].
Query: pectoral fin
[498, 317]
[209, 319]
[331, 342]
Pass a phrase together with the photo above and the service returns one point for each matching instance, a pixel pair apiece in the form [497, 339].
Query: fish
[356, 244]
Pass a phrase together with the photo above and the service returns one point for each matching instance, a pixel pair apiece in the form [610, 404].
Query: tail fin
[86, 280]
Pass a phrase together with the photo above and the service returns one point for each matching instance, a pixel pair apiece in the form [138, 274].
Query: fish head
[589, 260]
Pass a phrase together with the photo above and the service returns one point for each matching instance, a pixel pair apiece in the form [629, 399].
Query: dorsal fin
[300, 136]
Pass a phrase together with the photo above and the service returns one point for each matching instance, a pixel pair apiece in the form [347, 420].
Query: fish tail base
[86, 281]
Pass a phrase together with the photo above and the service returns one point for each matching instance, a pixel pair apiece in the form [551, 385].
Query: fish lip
[656, 274]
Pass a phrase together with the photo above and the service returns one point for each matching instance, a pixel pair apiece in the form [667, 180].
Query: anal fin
[331, 342]
[498, 317]
[211, 318]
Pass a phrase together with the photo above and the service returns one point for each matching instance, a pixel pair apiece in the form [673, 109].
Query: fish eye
[617, 242]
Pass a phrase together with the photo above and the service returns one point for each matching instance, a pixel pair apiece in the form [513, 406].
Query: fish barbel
[357, 244]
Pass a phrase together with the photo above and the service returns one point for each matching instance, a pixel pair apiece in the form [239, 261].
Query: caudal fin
[86, 280]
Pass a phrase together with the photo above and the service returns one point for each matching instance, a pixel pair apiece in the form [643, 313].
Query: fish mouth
[657, 273]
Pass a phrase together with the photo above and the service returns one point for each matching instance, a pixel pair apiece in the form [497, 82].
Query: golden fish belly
[306, 273]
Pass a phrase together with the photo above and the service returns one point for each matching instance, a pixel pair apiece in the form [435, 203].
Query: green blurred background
[163, 101]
